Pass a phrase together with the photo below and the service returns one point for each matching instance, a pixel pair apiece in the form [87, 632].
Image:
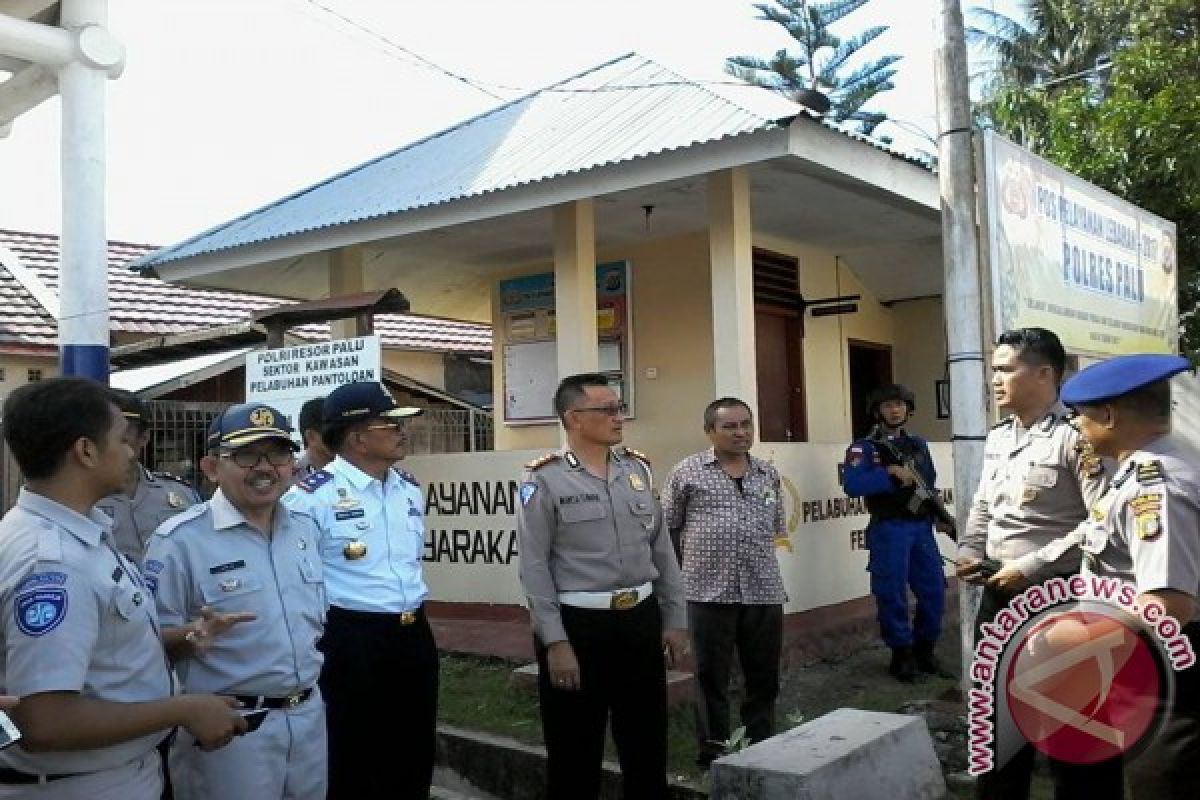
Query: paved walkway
[482, 630]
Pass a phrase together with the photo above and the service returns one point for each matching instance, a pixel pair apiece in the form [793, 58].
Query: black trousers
[621, 673]
[755, 633]
[380, 683]
[1170, 768]
[1010, 781]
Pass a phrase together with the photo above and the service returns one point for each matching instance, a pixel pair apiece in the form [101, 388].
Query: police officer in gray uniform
[245, 557]
[316, 454]
[149, 498]
[1146, 530]
[605, 597]
[81, 645]
[1039, 480]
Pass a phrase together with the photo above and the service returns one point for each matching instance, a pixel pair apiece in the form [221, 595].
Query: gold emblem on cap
[175, 500]
[636, 482]
[262, 418]
[354, 550]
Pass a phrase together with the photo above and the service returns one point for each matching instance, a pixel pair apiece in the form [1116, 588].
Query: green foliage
[1138, 137]
[821, 60]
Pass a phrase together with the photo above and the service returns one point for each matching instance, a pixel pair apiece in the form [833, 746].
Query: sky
[226, 105]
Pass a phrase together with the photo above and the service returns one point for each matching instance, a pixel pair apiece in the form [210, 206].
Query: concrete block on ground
[679, 684]
[847, 754]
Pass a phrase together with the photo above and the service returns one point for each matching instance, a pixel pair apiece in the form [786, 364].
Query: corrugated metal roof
[628, 108]
[144, 305]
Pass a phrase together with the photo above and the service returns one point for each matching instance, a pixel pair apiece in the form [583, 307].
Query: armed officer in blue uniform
[381, 661]
[903, 552]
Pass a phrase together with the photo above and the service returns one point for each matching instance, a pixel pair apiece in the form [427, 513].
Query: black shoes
[904, 665]
[927, 661]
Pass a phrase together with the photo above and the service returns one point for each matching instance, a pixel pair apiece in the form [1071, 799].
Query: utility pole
[961, 298]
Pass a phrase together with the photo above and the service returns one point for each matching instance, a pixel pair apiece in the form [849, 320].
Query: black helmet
[890, 391]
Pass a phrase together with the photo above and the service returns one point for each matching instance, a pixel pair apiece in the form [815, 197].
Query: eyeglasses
[612, 411]
[276, 457]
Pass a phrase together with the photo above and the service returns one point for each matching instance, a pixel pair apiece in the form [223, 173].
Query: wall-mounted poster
[530, 351]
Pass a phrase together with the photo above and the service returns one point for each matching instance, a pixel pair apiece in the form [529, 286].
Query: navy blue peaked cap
[352, 402]
[248, 422]
[1120, 375]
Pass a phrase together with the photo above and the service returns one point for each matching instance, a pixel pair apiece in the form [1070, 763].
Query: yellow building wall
[16, 371]
[672, 334]
[920, 360]
[428, 368]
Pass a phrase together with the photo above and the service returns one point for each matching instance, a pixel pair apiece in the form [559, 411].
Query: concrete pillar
[345, 277]
[730, 241]
[83, 326]
[575, 287]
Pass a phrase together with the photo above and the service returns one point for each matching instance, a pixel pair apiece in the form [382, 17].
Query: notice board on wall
[528, 326]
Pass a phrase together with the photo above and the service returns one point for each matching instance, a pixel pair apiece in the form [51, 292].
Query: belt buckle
[293, 700]
[623, 600]
[408, 617]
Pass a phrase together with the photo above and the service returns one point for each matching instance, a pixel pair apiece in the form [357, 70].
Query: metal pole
[83, 326]
[963, 308]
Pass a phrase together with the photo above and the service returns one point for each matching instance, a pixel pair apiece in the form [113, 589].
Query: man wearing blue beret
[1146, 530]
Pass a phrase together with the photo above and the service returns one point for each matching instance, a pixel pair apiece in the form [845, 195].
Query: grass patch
[479, 694]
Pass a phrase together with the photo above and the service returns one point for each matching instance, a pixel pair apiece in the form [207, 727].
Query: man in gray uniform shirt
[80, 637]
[1039, 480]
[246, 557]
[149, 498]
[605, 597]
[1146, 531]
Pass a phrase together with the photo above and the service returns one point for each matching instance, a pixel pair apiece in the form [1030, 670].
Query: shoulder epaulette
[1149, 472]
[542, 461]
[170, 524]
[639, 455]
[315, 480]
[405, 475]
[168, 476]
[1048, 422]
[1006, 421]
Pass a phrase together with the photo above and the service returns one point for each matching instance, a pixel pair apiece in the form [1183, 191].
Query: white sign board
[286, 377]
[1067, 255]
[471, 549]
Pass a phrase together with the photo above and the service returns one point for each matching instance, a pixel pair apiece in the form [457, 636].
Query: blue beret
[248, 422]
[352, 402]
[1120, 375]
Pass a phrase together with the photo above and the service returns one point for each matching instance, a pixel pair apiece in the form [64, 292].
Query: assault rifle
[925, 500]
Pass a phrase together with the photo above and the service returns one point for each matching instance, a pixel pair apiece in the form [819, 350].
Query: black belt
[13, 777]
[251, 702]
[404, 618]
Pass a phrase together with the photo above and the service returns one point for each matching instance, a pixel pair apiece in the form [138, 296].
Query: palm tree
[1056, 46]
[821, 58]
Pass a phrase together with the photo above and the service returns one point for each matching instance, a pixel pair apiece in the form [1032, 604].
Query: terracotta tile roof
[140, 304]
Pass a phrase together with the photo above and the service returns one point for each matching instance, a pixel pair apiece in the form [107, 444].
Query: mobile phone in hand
[8, 731]
[254, 718]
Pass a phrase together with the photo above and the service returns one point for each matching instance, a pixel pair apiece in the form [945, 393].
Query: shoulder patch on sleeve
[314, 481]
[542, 461]
[1150, 473]
[639, 455]
[42, 605]
[171, 524]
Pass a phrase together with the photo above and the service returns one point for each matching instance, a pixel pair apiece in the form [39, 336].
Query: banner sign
[288, 376]
[471, 550]
[1071, 257]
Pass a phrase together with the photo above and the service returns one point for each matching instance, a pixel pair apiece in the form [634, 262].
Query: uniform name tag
[1042, 477]
[232, 565]
[352, 513]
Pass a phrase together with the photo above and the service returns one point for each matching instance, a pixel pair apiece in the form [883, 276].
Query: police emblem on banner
[40, 611]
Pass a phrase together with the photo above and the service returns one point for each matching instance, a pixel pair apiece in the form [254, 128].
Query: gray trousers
[285, 759]
[140, 779]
